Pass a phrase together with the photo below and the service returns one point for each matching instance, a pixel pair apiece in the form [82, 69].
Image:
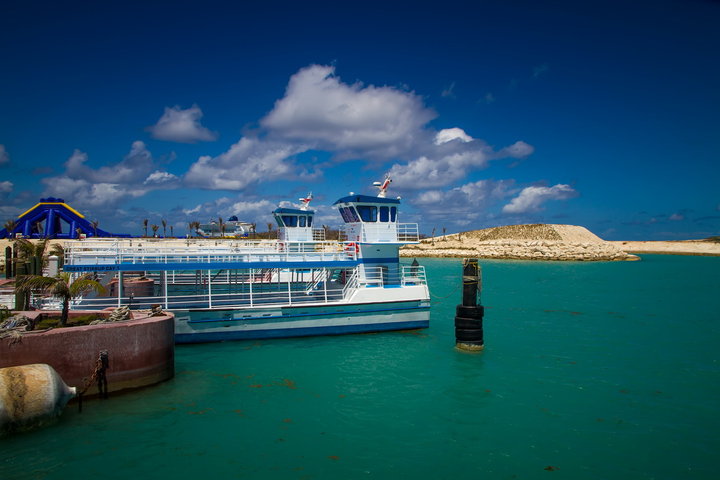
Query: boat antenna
[383, 186]
[306, 201]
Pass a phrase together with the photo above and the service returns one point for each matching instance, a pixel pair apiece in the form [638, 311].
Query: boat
[232, 228]
[299, 284]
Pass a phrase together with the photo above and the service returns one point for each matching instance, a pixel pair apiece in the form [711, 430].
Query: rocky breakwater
[521, 242]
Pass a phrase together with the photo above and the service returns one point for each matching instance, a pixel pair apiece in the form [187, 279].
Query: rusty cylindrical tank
[30, 396]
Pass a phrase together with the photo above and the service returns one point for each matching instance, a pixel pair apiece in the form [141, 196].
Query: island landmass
[549, 242]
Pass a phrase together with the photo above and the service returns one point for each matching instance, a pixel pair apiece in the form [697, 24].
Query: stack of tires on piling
[469, 315]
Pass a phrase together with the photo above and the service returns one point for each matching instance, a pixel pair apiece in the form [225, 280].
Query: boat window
[384, 214]
[393, 213]
[368, 213]
[353, 214]
[349, 215]
[344, 214]
[290, 220]
[310, 220]
[303, 219]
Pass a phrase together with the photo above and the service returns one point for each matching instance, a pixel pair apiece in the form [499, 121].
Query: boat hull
[216, 325]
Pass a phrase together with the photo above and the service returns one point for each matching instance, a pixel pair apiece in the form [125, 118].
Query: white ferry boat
[297, 285]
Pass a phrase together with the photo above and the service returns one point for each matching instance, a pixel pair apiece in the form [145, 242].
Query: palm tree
[155, 229]
[61, 287]
[59, 251]
[9, 227]
[145, 224]
[94, 224]
[32, 254]
[171, 231]
[222, 225]
[164, 224]
[194, 226]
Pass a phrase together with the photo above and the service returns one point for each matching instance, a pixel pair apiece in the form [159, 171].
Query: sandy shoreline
[684, 247]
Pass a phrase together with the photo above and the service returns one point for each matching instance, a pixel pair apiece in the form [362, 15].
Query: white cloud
[448, 92]
[462, 205]
[252, 211]
[451, 157]
[249, 161]
[352, 120]
[531, 198]
[82, 193]
[177, 125]
[4, 157]
[6, 187]
[449, 134]
[133, 168]
[134, 176]
[677, 217]
[161, 178]
[518, 149]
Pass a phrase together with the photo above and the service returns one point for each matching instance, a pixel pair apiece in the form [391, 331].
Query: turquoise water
[591, 371]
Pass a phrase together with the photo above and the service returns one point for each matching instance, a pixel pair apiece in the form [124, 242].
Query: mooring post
[8, 262]
[469, 315]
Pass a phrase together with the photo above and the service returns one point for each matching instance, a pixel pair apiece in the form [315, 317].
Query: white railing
[408, 232]
[115, 253]
[351, 282]
[381, 232]
[413, 275]
[372, 276]
[318, 276]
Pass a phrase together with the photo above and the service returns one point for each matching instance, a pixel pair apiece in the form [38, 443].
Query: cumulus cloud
[531, 198]
[352, 120]
[518, 150]
[450, 134]
[178, 125]
[4, 157]
[250, 211]
[161, 178]
[134, 167]
[464, 204]
[451, 156]
[134, 176]
[86, 194]
[249, 161]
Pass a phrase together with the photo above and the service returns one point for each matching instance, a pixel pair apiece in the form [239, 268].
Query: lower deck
[250, 288]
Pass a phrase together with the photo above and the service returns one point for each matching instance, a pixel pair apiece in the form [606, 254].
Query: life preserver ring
[352, 247]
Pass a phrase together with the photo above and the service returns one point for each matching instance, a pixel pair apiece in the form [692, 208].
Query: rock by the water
[521, 242]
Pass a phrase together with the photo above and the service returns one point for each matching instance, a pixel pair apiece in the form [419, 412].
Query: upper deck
[148, 254]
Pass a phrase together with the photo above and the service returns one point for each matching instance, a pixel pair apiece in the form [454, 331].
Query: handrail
[318, 276]
[413, 275]
[113, 253]
[351, 282]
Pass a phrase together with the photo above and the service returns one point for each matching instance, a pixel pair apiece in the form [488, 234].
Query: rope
[444, 297]
[98, 374]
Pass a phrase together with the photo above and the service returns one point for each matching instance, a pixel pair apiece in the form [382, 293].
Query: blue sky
[603, 114]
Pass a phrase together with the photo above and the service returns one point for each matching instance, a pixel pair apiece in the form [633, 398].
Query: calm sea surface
[591, 371]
